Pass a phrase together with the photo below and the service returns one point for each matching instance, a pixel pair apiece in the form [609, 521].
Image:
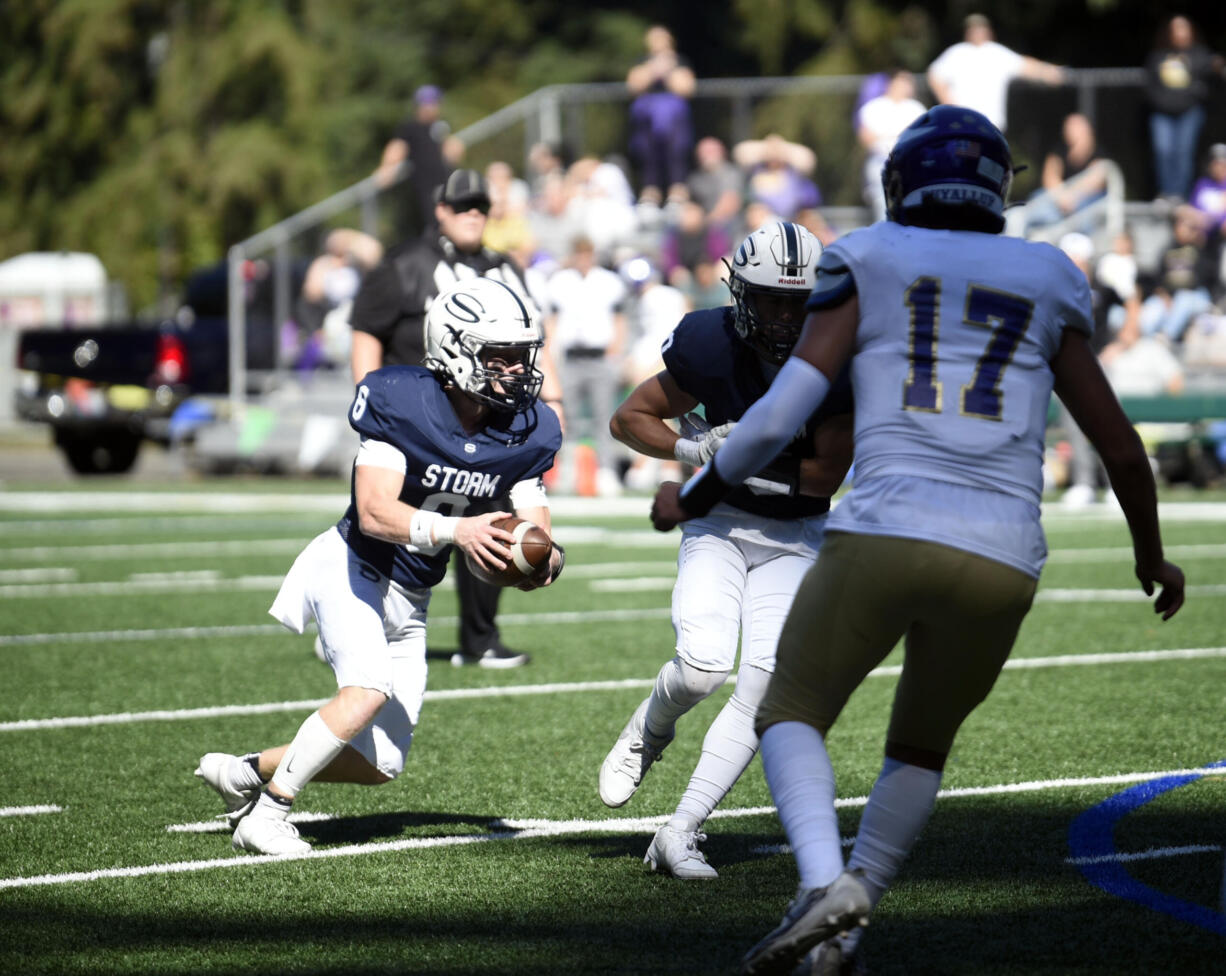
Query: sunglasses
[463, 205]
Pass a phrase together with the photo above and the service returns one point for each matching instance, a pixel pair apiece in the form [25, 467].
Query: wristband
[428, 529]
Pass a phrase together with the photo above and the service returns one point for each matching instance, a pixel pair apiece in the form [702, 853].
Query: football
[529, 551]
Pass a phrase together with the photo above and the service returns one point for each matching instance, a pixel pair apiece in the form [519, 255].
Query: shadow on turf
[986, 892]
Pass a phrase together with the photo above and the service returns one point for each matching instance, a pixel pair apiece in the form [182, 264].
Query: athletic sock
[247, 772]
[727, 750]
[801, 781]
[312, 749]
[271, 805]
[897, 810]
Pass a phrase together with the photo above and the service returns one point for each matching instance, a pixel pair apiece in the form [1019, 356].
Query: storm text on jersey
[477, 484]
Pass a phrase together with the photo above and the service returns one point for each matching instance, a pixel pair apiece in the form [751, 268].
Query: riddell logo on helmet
[791, 281]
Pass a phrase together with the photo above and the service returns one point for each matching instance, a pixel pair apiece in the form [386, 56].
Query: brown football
[531, 548]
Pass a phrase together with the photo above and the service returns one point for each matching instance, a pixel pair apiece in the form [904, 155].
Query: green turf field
[1081, 831]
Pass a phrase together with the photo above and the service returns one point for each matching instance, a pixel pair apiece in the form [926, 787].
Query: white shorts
[373, 634]
[737, 574]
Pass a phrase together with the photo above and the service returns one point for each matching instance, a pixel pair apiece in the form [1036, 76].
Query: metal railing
[554, 114]
[1101, 219]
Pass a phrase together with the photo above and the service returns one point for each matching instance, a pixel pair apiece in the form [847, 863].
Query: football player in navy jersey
[435, 439]
[956, 338]
[739, 567]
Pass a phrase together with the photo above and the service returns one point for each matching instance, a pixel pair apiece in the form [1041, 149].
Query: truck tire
[107, 452]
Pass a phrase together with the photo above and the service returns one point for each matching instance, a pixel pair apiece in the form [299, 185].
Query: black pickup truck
[107, 389]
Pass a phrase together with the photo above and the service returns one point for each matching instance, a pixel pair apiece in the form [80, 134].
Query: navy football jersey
[709, 361]
[448, 470]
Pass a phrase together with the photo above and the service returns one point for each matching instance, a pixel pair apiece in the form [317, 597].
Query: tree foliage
[156, 133]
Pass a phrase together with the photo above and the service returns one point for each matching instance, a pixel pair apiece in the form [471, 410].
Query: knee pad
[685, 684]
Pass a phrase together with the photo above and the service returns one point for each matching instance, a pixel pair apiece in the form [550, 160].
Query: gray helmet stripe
[791, 256]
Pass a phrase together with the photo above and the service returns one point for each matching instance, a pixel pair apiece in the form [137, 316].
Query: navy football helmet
[951, 168]
[476, 330]
[771, 275]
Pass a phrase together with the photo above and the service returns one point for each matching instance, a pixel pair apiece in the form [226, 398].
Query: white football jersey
[952, 381]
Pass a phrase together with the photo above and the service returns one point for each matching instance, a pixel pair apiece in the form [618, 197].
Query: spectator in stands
[331, 282]
[553, 221]
[718, 184]
[425, 140]
[1074, 175]
[880, 120]
[705, 287]
[506, 227]
[1117, 268]
[691, 241]
[603, 204]
[779, 174]
[661, 132]
[1112, 311]
[545, 159]
[976, 72]
[585, 333]
[1188, 278]
[1177, 73]
[1209, 192]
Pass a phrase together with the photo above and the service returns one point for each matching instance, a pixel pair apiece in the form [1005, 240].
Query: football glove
[701, 447]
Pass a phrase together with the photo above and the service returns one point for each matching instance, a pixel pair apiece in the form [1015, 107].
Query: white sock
[679, 687]
[727, 750]
[801, 780]
[898, 807]
[312, 749]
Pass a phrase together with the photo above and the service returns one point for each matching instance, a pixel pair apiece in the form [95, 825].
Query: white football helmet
[477, 320]
[770, 277]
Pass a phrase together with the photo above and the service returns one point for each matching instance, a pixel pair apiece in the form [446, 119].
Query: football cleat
[268, 835]
[814, 915]
[493, 657]
[676, 852]
[224, 773]
[831, 958]
[627, 763]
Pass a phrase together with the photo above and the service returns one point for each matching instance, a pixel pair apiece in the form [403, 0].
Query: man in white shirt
[586, 330]
[880, 122]
[976, 72]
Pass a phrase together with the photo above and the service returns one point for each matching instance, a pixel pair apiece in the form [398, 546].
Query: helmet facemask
[503, 376]
[768, 319]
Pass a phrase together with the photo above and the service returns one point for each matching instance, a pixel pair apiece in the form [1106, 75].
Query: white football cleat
[676, 852]
[628, 761]
[268, 835]
[814, 915]
[224, 773]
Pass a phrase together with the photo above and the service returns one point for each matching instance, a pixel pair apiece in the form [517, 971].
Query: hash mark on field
[29, 811]
[505, 829]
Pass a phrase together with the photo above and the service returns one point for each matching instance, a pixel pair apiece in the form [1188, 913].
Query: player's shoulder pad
[835, 283]
[379, 400]
[698, 333]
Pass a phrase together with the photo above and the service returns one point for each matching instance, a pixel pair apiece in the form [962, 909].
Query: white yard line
[170, 715]
[515, 829]
[30, 811]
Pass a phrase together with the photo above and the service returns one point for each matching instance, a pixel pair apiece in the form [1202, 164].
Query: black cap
[464, 189]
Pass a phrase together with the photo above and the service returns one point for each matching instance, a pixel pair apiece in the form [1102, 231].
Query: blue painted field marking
[1092, 836]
